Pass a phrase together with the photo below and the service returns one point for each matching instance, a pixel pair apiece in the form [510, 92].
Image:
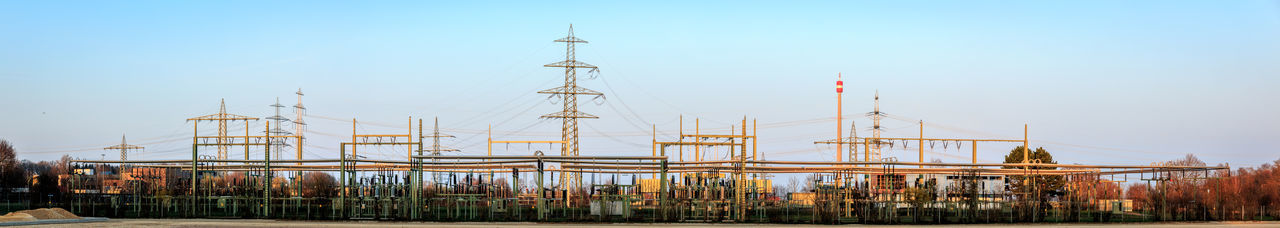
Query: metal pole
[409, 148]
[246, 139]
[354, 153]
[542, 206]
[417, 175]
[342, 177]
[662, 190]
[195, 172]
[975, 151]
[490, 141]
[742, 176]
[266, 192]
[866, 150]
[697, 129]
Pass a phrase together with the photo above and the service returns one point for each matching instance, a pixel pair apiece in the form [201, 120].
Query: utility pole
[569, 94]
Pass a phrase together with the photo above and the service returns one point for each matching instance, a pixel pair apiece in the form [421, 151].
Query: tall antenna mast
[569, 93]
[124, 148]
[841, 141]
[839, 117]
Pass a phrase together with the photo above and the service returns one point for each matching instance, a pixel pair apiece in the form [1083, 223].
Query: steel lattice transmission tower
[298, 125]
[569, 93]
[875, 115]
[278, 144]
[124, 148]
[222, 117]
[436, 148]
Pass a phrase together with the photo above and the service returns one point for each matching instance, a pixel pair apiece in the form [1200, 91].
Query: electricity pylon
[435, 136]
[222, 140]
[298, 125]
[278, 144]
[569, 93]
[124, 148]
[436, 148]
[875, 115]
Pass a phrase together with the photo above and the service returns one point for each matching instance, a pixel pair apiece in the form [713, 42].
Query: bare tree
[11, 172]
[792, 184]
[809, 181]
[318, 184]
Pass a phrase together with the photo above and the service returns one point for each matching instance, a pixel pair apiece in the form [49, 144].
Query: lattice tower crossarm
[436, 148]
[222, 117]
[124, 148]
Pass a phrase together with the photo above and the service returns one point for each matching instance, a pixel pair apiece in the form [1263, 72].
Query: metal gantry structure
[496, 188]
[662, 187]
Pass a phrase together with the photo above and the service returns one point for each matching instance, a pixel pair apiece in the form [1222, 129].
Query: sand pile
[64, 213]
[38, 214]
[17, 217]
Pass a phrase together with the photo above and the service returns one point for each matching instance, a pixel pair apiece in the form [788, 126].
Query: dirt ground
[323, 224]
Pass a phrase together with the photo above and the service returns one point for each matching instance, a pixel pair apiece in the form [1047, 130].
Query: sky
[1095, 82]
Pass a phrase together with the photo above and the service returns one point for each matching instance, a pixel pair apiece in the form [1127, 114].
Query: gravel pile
[38, 214]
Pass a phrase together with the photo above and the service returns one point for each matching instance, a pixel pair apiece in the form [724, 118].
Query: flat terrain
[322, 224]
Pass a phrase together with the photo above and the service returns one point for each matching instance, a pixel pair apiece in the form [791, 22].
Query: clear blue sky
[1099, 82]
